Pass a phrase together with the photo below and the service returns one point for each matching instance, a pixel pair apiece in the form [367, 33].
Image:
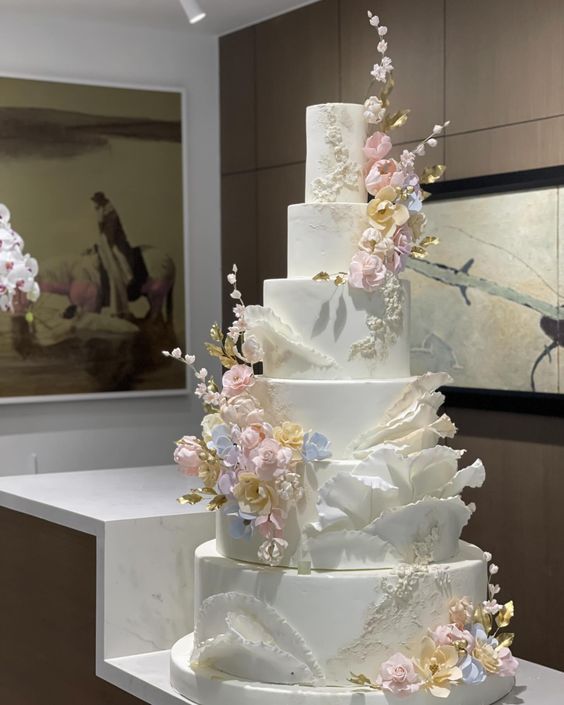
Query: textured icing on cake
[335, 137]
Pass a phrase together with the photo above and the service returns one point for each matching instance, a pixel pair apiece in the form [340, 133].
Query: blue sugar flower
[472, 670]
[316, 446]
[223, 445]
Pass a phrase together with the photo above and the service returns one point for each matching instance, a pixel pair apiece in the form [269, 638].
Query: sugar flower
[383, 211]
[508, 664]
[237, 380]
[209, 422]
[241, 410]
[222, 443]
[437, 666]
[374, 110]
[272, 551]
[453, 635]
[270, 458]
[377, 145]
[472, 670]
[290, 435]
[316, 446]
[384, 172]
[486, 654]
[255, 496]
[252, 349]
[461, 611]
[366, 271]
[398, 676]
[187, 455]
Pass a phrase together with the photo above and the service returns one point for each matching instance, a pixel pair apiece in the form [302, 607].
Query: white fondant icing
[239, 634]
[207, 686]
[323, 237]
[332, 320]
[379, 611]
[339, 409]
[335, 136]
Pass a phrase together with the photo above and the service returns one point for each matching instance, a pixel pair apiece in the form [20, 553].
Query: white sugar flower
[374, 111]
[494, 569]
[235, 294]
[387, 64]
[491, 607]
[232, 278]
[234, 269]
[379, 73]
[382, 30]
[201, 374]
[252, 349]
[190, 359]
[432, 142]
[420, 150]
[271, 552]
[487, 556]
[374, 19]
[493, 590]
[176, 353]
[382, 46]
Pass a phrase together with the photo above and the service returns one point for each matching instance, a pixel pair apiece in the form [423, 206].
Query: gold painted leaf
[216, 333]
[363, 681]
[217, 502]
[505, 639]
[418, 252]
[321, 277]
[484, 618]
[505, 614]
[214, 350]
[340, 280]
[228, 362]
[425, 194]
[398, 119]
[385, 93]
[432, 173]
[207, 490]
[429, 240]
[190, 498]
[229, 346]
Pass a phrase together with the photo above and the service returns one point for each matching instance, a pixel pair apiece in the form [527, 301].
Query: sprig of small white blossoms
[238, 326]
[205, 389]
[491, 605]
[381, 71]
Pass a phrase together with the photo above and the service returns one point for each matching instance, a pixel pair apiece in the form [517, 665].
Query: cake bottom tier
[206, 686]
[276, 626]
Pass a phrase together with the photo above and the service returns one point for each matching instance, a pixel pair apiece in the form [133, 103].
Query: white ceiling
[223, 16]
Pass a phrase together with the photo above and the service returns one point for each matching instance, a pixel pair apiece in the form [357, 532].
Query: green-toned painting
[93, 177]
[487, 304]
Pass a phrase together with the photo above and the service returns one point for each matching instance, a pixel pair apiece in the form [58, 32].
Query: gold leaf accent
[425, 194]
[216, 333]
[418, 252]
[190, 498]
[229, 346]
[432, 173]
[429, 240]
[385, 93]
[505, 614]
[214, 350]
[321, 277]
[505, 640]
[217, 502]
[398, 119]
[484, 618]
[340, 280]
[363, 681]
[207, 490]
[228, 362]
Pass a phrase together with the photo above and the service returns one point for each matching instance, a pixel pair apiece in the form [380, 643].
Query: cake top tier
[335, 134]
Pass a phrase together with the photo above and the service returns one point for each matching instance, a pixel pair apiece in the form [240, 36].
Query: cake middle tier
[335, 332]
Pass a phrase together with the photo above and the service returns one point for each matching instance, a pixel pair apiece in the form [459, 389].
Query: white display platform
[143, 533]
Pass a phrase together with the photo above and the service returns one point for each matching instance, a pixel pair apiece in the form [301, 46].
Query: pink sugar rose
[449, 634]
[398, 676]
[377, 146]
[272, 525]
[187, 455]
[237, 380]
[270, 458]
[403, 240]
[385, 172]
[249, 438]
[366, 271]
[461, 611]
[508, 664]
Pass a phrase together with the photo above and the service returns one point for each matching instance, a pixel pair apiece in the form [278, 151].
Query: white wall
[114, 433]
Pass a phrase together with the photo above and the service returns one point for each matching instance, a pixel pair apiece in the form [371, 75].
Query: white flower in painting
[242, 636]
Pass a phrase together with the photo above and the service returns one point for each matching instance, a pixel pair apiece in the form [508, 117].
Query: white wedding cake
[338, 574]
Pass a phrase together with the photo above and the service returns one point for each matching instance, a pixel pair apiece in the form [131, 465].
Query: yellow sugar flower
[437, 667]
[487, 655]
[254, 495]
[290, 435]
[384, 213]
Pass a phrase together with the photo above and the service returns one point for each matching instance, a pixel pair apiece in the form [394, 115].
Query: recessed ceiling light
[193, 10]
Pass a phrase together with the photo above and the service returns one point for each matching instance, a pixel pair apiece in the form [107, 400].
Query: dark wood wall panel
[505, 62]
[48, 598]
[297, 66]
[416, 46]
[237, 101]
[277, 188]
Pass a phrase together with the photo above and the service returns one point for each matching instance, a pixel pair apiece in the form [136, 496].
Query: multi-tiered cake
[338, 574]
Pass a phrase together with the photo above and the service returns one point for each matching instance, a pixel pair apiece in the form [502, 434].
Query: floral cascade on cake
[338, 570]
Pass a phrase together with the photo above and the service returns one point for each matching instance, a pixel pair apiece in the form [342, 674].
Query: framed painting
[93, 176]
[488, 302]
